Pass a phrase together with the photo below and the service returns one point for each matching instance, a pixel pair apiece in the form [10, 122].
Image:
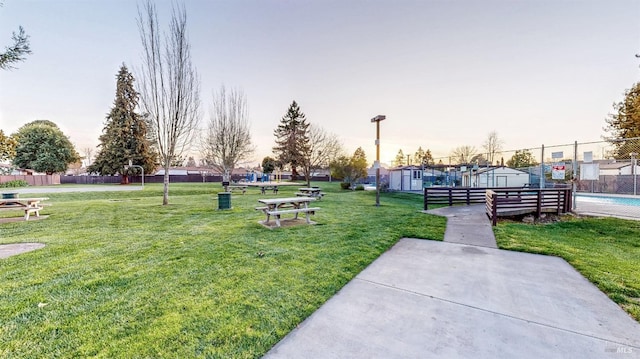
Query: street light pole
[377, 120]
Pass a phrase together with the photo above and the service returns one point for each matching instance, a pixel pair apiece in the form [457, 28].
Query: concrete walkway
[430, 299]
[467, 225]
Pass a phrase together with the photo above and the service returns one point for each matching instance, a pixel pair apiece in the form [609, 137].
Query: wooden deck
[504, 201]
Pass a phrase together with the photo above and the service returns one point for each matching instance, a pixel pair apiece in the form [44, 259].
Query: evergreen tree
[399, 158]
[428, 158]
[418, 157]
[292, 139]
[124, 137]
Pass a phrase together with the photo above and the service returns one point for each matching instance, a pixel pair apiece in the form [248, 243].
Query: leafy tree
[350, 170]
[44, 148]
[124, 137]
[292, 139]
[522, 159]
[7, 147]
[227, 141]
[341, 168]
[399, 161]
[268, 164]
[624, 123]
[191, 162]
[492, 145]
[359, 164]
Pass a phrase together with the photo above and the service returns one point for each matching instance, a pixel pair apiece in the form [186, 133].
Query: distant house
[617, 168]
[371, 175]
[495, 177]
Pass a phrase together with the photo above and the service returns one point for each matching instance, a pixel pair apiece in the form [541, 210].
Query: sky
[444, 73]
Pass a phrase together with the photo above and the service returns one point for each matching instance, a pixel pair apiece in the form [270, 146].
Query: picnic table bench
[29, 205]
[263, 189]
[234, 187]
[310, 192]
[276, 207]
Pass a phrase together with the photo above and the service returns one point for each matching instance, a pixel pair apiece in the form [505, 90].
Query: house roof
[507, 169]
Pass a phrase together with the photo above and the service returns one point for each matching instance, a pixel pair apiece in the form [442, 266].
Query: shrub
[359, 187]
[14, 183]
[345, 185]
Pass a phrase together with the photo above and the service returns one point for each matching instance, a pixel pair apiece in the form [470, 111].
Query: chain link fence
[604, 173]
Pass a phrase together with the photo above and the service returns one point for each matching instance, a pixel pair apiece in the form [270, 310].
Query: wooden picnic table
[278, 206]
[314, 192]
[29, 205]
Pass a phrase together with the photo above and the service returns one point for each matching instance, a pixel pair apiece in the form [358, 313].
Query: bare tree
[323, 148]
[227, 140]
[88, 151]
[493, 146]
[463, 154]
[169, 86]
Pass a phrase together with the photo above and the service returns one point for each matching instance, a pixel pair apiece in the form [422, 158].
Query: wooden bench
[276, 213]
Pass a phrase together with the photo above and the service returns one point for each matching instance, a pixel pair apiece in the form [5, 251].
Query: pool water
[625, 201]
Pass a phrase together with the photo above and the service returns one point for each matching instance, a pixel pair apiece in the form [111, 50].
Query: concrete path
[467, 225]
[8, 250]
[429, 299]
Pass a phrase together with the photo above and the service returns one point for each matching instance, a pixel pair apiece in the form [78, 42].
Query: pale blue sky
[445, 73]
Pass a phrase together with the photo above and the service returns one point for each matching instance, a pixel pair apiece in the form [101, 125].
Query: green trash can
[224, 200]
[10, 195]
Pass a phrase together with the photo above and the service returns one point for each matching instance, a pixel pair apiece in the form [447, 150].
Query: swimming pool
[603, 199]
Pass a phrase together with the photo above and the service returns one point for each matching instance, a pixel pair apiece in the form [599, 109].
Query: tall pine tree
[292, 139]
[124, 136]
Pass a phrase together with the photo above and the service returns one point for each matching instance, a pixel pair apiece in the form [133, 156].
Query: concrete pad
[8, 250]
[427, 299]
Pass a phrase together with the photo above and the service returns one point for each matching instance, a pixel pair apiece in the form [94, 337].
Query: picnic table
[29, 205]
[314, 192]
[237, 187]
[293, 205]
[264, 188]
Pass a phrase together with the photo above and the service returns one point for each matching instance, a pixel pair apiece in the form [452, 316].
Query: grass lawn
[123, 276]
[605, 250]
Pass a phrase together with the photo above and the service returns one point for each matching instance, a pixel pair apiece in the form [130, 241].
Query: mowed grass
[605, 250]
[122, 276]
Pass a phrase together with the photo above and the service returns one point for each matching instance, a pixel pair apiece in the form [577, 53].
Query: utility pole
[376, 165]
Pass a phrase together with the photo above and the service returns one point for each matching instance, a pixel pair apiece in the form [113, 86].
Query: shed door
[501, 181]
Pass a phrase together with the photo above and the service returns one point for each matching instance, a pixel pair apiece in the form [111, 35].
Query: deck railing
[536, 201]
[459, 195]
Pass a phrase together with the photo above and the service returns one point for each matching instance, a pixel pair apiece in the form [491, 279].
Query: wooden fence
[33, 180]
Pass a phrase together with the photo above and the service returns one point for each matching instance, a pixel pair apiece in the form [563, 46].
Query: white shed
[495, 177]
[407, 178]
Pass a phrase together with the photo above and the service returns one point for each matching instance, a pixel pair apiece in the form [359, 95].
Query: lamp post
[377, 120]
